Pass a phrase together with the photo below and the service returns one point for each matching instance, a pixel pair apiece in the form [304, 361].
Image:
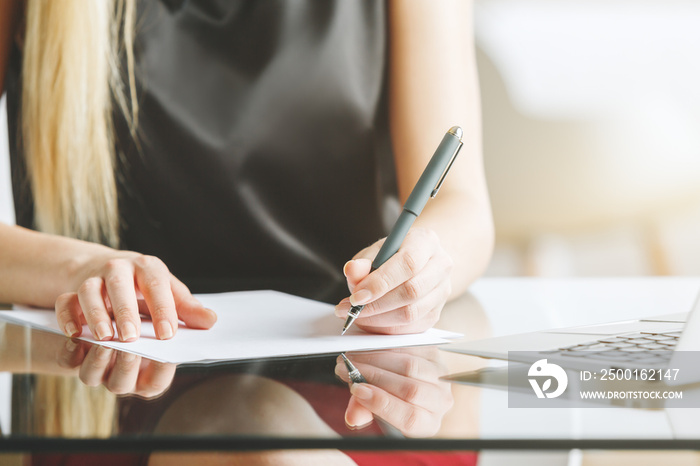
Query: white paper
[251, 324]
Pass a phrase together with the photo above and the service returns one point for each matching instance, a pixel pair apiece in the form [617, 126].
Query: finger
[423, 371]
[341, 370]
[432, 354]
[434, 274]
[428, 395]
[356, 415]
[411, 420]
[408, 314]
[423, 389]
[342, 308]
[370, 252]
[94, 367]
[189, 309]
[153, 279]
[73, 354]
[355, 271]
[155, 377]
[93, 307]
[122, 377]
[119, 281]
[68, 314]
[428, 321]
[414, 254]
[406, 365]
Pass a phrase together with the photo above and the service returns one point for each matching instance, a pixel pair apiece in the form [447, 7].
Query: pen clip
[444, 174]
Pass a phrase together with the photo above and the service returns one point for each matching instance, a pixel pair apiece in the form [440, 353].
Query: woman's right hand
[121, 289]
[403, 388]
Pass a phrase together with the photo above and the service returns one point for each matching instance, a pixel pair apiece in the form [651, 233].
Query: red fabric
[410, 458]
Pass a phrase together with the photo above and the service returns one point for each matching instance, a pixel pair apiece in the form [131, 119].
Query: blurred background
[591, 112]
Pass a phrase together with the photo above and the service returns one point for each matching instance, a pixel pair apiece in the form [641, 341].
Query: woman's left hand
[407, 293]
[120, 372]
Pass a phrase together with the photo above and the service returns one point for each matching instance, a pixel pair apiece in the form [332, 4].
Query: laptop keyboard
[641, 347]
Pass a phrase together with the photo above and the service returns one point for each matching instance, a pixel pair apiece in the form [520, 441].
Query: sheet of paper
[251, 324]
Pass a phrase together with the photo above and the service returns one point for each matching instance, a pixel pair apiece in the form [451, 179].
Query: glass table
[62, 395]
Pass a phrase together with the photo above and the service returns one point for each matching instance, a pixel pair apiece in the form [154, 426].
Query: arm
[86, 282]
[93, 284]
[29, 262]
[432, 86]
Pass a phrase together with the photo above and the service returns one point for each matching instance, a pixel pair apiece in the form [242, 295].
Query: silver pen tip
[456, 131]
[348, 323]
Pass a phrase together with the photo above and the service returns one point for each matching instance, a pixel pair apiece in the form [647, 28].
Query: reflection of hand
[120, 372]
[405, 294]
[403, 388]
[112, 290]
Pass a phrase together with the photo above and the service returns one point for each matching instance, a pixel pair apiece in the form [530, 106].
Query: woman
[220, 140]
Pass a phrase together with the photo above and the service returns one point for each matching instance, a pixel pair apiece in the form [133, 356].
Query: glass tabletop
[65, 395]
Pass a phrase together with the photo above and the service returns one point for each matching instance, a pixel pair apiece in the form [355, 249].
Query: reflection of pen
[356, 377]
[427, 187]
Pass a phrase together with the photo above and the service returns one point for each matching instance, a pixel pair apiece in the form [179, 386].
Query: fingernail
[345, 268]
[103, 331]
[347, 421]
[165, 331]
[361, 391]
[355, 425]
[71, 329]
[71, 346]
[360, 297]
[128, 331]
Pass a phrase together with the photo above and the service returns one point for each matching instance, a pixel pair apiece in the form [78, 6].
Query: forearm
[35, 268]
[466, 232]
[434, 86]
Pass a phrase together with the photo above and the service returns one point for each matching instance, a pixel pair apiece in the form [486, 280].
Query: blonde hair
[70, 75]
[69, 408]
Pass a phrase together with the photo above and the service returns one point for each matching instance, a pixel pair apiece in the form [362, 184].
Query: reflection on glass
[74, 383]
[403, 389]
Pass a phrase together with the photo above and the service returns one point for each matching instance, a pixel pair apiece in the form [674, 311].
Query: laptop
[650, 342]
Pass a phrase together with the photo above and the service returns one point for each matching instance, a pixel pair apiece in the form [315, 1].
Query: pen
[427, 187]
[356, 377]
[353, 373]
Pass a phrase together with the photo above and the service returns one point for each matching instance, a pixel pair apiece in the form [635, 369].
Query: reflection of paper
[251, 324]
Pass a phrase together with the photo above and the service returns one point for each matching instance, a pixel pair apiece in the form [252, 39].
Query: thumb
[189, 310]
[357, 415]
[355, 271]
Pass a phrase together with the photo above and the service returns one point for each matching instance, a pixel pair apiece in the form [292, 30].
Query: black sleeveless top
[263, 149]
